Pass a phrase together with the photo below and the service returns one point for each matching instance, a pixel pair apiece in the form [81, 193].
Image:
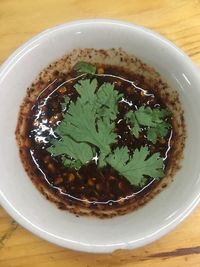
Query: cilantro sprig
[137, 166]
[90, 120]
[78, 153]
[84, 67]
[88, 125]
[153, 119]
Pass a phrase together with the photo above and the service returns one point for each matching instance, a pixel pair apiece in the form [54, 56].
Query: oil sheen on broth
[90, 190]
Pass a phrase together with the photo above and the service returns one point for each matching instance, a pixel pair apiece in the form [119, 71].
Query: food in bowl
[100, 133]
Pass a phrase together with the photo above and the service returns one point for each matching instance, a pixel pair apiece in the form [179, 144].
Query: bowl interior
[29, 207]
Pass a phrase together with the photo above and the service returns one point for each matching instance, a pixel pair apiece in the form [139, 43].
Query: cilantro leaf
[138, 166]
[85, 129]
[161, 113]
[70, 163]
[85, 120]
[135, 130]
[144, 116]
[80, 152]
[86, 89]
[85, 67]
[152, 135]
[107, 99]
[161, 130]
[153, 119]
[80, 124]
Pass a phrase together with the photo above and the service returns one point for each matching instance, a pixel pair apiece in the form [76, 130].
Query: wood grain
[179, 21]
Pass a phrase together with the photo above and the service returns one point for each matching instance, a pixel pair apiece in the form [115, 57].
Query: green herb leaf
[80, 152]
[135, 130]
[85, 121]
[153, 119]
[86, 89]
[70, 163]
[161, 130]
[85, 67]
[81, 125]
[107, 99]
[152, 135]
[138, 166]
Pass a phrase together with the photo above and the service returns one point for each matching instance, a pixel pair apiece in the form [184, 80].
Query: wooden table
[179, 21]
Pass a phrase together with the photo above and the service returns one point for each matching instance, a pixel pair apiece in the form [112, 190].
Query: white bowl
[17, 193]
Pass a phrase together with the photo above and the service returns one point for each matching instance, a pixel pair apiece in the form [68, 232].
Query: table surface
[179, 21]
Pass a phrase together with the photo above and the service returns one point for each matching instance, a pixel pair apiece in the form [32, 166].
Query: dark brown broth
[92, 185]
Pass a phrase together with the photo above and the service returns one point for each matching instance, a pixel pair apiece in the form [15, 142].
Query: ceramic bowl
[20, 197]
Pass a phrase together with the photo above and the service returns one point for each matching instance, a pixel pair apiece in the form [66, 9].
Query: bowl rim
[4, 68]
